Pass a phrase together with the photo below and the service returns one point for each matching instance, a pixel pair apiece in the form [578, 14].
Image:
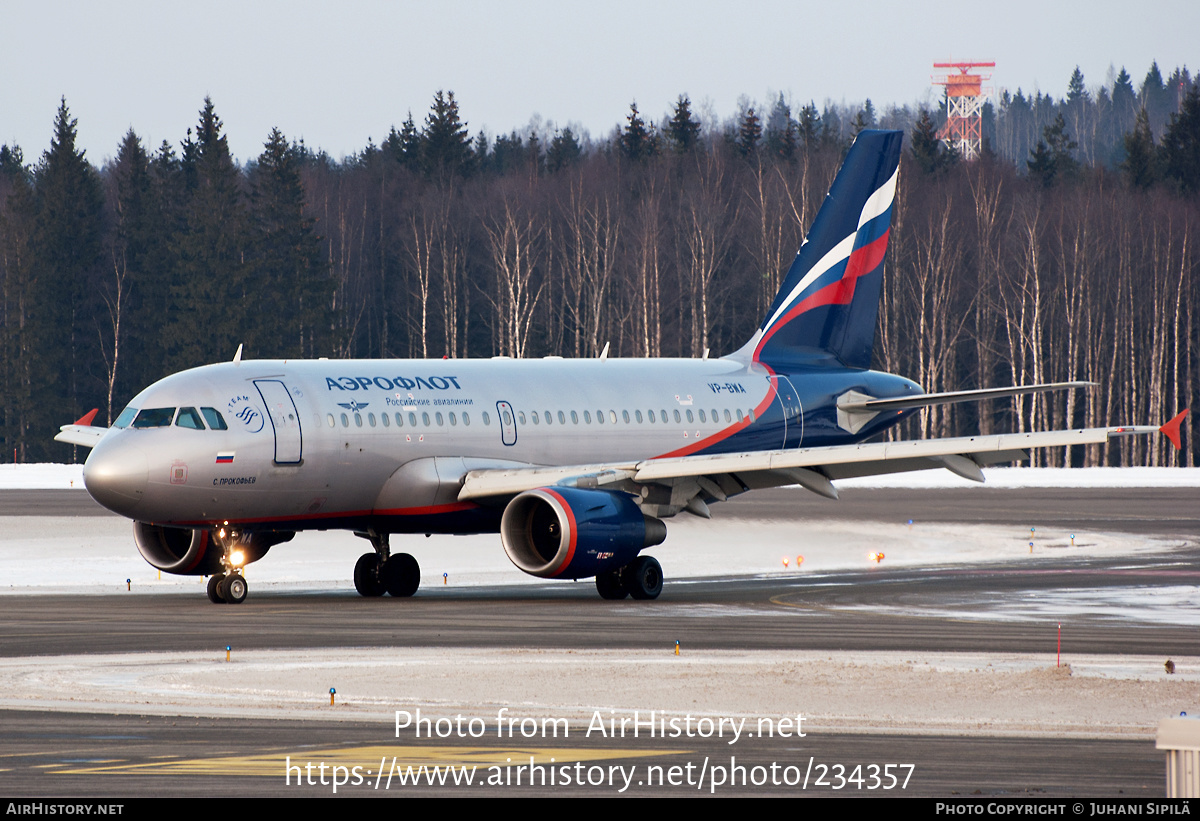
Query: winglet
[1171, 429]
[87, 418]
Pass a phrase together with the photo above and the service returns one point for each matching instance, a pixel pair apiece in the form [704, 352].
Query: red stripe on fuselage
[429, 510]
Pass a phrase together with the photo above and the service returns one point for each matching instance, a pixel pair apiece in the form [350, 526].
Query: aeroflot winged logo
[355, 405]
[244, 410]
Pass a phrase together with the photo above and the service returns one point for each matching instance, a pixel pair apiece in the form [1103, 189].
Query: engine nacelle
[193, 552]
[573, 533]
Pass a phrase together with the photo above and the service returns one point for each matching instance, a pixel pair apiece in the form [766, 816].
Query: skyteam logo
[353, 405]
[245, 411]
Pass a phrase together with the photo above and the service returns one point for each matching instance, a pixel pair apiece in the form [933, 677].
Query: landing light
[237, 558]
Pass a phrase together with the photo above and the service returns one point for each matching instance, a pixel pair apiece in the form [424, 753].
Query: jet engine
[573, 533]
[194, 552]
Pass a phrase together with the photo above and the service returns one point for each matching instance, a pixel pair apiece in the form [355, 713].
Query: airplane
[575, 463]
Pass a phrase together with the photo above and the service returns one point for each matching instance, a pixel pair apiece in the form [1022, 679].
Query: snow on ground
[959, 693]
[96, 554]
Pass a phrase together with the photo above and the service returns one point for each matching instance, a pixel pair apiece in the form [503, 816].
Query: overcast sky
[338, 73]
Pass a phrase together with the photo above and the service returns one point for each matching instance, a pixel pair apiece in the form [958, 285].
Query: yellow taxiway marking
[368, 760]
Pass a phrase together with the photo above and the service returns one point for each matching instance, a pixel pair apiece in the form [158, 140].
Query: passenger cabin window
[487, 420]
[154, 418]
[332, 423]
[189, 418]
[466, 418]
[125, 418]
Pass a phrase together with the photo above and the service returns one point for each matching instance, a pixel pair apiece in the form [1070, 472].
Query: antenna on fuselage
[604, 353]
[237, 357]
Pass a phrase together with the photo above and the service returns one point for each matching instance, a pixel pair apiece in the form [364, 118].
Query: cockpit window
[154, 418]
[214, 419]
[188, 418]
[126, 417]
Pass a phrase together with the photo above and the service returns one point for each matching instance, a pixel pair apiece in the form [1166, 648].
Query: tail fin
[829, 300]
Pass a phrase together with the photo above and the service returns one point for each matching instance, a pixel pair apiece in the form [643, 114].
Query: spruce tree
[1141, 160]
[445, 145]
[68, 231]
[1181, 144]
[289, 272]
[17, 343]
[683, 130]
[564, 151]
[749, 133]
[636, 139]
[211, 307]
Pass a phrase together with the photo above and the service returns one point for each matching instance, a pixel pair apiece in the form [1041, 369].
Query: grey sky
[338, 73]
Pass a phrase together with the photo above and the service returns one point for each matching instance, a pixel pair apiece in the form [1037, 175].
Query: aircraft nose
[115, 474]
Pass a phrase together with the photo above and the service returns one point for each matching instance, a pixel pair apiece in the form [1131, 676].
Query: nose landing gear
[229, 587]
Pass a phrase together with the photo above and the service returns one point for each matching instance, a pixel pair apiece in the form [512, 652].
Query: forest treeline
[1067, 251]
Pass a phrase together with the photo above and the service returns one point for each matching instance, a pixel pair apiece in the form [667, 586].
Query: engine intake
[573, 533]
[193, 552]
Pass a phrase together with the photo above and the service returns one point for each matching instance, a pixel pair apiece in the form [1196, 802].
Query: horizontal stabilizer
[856, 404]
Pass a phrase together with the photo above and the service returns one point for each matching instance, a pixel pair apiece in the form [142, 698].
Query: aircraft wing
[85, 435]
[82, 432]
[721, 475]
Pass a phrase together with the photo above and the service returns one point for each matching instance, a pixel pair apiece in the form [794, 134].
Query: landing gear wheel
[643, 578]
[609, 586]
[236, 589]
[401, 575]
[366, 575]
[213, 583]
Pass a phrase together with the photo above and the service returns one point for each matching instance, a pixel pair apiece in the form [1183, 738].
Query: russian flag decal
[225, 457]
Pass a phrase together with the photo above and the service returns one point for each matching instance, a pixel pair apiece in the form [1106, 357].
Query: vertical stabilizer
[829, 300]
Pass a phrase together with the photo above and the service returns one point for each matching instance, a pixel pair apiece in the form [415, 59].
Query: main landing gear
[228, 587]
[642, 578]
[380, 572]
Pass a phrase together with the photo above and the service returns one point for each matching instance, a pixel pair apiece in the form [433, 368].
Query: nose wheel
[228, 587]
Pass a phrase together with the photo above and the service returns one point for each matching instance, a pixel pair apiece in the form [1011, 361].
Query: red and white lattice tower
[965, 96]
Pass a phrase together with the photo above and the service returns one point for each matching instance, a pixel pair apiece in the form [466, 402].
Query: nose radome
[115, 474]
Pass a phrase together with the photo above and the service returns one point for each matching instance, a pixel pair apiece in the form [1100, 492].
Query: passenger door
[285, 419]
